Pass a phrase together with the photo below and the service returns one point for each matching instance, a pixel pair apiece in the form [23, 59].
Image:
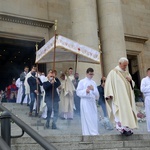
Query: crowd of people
[52, 97]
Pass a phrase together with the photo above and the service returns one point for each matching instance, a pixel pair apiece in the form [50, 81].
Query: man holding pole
[51, 97]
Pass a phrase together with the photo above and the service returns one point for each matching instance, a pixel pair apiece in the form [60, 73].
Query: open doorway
[14, 56]
[134, 69]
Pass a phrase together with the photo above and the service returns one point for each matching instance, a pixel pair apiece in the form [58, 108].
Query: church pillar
[84, 22]
[85, 30]
[111, 32]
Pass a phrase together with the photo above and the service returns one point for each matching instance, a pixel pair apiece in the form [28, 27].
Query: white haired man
[120, 99]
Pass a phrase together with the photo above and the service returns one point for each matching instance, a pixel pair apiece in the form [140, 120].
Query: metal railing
[3, 145]
[6, 129]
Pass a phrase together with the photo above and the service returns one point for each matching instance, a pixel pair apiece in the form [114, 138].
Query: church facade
[116, 28]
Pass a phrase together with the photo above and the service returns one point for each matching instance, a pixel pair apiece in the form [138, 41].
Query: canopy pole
[101, 63]
[55, 35]
[37, 98]
[76, 63]
[54, 55]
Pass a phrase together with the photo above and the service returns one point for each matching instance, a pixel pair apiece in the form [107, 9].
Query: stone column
[84, 22]
[111, 32]
[84, 27]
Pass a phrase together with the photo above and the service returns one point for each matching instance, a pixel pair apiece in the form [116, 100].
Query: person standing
[51, 97]
[19, 86]
[87, 91]
[76, 98]
[35, 92]
[120, 99]
[66, 97]
[101, 100]
[102, 103]
[22, 79]
[145, 89]
[12, 90]
[27, 88]
[70, 72]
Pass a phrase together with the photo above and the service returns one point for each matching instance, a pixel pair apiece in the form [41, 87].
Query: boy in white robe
[87, 91]
[145, 89]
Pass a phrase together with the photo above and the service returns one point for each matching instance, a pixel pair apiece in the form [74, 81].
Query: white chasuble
[123, 102]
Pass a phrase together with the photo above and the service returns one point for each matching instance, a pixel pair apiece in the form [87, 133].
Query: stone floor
[65, 127]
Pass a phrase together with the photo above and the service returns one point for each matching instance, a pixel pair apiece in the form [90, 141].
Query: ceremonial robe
[88, 108]
[122, 107]
[145, 89]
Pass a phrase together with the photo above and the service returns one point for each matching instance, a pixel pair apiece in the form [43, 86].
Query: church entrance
[15, 54]
[134, 69]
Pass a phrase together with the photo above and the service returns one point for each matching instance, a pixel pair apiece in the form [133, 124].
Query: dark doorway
[134, 69]
[14, 56]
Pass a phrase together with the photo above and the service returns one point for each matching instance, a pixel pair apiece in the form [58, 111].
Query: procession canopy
[66, 51]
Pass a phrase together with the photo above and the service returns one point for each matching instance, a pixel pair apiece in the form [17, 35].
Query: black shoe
[47, 125]
[36, 114]
[54, 126]
[127, 133]
[28, 104]
[21, 103]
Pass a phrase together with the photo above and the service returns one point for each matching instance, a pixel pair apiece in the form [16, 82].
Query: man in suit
[35, 92]
[51, 97]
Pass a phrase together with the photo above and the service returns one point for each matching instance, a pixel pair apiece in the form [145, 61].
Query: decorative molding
[22, 37]
[26, 20]
[135, 38]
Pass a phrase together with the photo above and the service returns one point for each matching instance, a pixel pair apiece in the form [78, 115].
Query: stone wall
[136, 19]
[136, 23]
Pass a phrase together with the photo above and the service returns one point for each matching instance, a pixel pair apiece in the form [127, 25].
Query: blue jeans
[52, 106]
[103, 105]
[33, 96]
[77, 103]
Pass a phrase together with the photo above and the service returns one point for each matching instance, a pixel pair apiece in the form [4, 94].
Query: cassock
[19, 95]
[121, 107]
[145, 89]
[88, 108]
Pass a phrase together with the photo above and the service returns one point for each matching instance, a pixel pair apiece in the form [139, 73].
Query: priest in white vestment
[145, 89]
[66, 103]
[87, 91]
[120, 99]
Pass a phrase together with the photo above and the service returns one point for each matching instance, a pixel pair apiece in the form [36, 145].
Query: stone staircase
[101, 142]
[68, 135]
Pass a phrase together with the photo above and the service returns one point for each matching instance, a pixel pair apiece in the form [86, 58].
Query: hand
[87, 90]
[109, 98]
[90, 87]
[52, 81]
[36, 91]
[128, 79]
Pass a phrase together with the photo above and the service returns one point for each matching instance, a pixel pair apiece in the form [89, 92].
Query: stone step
[117, 142]
[68, 136]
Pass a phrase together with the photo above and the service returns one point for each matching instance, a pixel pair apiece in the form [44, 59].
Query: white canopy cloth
[66, 50]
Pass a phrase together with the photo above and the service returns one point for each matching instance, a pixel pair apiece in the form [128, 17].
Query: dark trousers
[23, 92]
[52, 107]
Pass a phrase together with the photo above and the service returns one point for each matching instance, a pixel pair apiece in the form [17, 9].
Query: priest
[120, 99]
